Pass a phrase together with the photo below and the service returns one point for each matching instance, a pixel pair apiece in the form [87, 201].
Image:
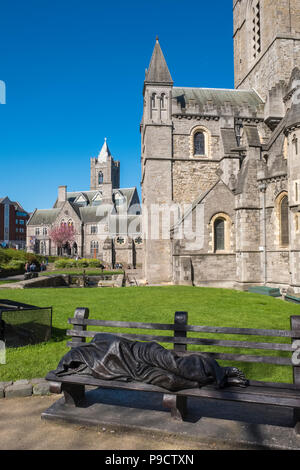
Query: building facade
[227, 162]
[106, 219]
[13, 220]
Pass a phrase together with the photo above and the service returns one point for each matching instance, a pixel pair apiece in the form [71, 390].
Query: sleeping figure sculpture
[110, 357]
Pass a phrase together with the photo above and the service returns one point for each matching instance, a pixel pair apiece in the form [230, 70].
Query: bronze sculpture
[110, 357]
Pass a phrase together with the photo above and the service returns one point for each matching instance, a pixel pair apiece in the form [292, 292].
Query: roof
[43, 216]
[293, 117]
[158, 71]
[229, 140]
[104, 152]
[218, 97]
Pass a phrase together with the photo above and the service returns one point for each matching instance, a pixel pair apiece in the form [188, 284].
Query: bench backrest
[181, 341]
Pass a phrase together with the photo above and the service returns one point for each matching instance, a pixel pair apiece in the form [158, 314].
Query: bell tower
[105, 172]
[266, 43]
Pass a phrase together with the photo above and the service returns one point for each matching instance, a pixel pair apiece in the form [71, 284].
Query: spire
[104, 153]
[158, 71]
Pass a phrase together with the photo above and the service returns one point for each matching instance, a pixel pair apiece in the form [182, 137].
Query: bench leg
[297, 421]
[177, 404]
[73, 393]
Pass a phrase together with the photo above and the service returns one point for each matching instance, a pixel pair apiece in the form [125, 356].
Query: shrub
[82, 263]
[15, 264]
[60, 263]
[94, 263]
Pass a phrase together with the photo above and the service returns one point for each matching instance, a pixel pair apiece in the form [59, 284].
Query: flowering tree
[62, 235]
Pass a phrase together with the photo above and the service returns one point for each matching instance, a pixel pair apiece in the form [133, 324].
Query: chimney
[62, 194]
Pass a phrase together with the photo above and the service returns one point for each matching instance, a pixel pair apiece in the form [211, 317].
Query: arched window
[94, 248]
[153, 100]
[163, 101]
[219, 234]
[284, 221]
[100, 177]
[199, 143]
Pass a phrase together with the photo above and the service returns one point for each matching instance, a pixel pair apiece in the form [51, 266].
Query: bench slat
[195, 341]
[195, 328]
[251, 394]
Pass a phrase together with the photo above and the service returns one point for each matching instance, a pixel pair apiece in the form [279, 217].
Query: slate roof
[218, 97]
[229, 140]
[87, 214]
[293, 117]
[158, 71]
[44, 216]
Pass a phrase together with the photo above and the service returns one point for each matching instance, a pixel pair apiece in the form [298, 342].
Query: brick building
[13, 220]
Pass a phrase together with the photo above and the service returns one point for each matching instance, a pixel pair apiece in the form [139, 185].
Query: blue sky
[74, 74]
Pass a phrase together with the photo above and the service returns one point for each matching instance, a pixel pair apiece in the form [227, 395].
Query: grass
[218, 307]
[8, 281]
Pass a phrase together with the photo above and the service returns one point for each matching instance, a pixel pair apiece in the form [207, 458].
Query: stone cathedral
[233, 153]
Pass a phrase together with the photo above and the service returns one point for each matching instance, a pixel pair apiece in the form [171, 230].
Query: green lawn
[218, 307]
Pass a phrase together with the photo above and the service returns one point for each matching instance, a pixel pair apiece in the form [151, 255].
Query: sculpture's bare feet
[236, 377]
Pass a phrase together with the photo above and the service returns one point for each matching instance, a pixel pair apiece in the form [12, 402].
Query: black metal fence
[21, 325]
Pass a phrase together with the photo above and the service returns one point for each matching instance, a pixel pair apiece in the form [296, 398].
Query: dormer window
[119, 199]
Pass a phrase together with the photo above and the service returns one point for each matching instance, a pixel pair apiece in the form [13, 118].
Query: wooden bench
[264, 393]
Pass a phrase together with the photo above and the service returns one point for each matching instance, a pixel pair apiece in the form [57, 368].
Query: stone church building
[235, 154]
[106, 219]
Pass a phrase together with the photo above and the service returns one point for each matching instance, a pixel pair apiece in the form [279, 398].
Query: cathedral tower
[156, 133]
[266, 43]
[105, 172]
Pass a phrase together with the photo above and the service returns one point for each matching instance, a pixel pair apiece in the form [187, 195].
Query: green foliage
[82, 263]
[94, 263]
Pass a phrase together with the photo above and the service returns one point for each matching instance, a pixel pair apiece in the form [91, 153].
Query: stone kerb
[24, 388]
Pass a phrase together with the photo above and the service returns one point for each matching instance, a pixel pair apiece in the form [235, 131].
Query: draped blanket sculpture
[109, 357]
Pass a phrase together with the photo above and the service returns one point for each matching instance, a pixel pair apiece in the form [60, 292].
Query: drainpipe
[262, 188]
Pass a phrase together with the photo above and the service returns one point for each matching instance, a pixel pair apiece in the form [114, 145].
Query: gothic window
[284, 221]
[295, 144]
[199, 143]
[120, 240]
[100, 177]
[70, 223]
[163, 101]
[138, 240]
[94, 247]
[153, 99]
[256, 31]
[42, 248]
[219, 234]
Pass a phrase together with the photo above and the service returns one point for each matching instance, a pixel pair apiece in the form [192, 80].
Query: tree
[62, 235]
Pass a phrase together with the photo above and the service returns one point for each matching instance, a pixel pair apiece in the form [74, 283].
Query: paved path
[22, 429]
